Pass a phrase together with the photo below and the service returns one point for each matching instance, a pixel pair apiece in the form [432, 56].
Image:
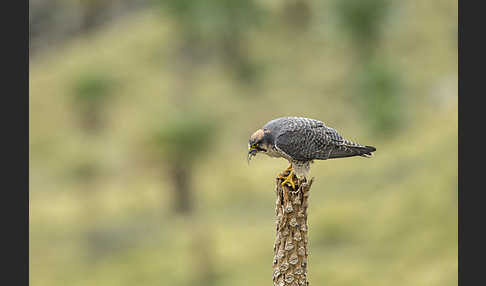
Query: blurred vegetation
[91, 92]
[378, 84]
[363, 22]
[101, 206]
[298, 15]
[53, 22]
[380, 91]
[215, 28]
[178, 144]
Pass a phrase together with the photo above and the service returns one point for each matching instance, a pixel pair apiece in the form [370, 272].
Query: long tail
[350, 151]
[365, 151]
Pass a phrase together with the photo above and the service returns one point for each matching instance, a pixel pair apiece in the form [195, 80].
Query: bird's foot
[288, 179]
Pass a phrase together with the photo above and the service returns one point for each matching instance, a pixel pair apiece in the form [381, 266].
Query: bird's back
[284, 124]
[307, 139]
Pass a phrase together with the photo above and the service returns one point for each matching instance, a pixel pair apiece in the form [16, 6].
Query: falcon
[301, 141]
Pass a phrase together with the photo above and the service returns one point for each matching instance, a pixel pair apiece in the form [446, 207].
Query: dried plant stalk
[290, 247]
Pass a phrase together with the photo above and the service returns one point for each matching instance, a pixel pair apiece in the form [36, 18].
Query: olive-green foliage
[91, 93]
[184, 138]
[379, 88]
[178, 143]
[92, 88]
[362, 20]
[218, 26]
[213, 18]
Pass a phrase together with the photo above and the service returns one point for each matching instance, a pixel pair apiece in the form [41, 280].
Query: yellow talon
[288, 179]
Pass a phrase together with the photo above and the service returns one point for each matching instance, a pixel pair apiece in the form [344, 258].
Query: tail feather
[351, 151]
[367, 150]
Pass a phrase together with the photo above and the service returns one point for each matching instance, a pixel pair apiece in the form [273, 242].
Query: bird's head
[260, 141]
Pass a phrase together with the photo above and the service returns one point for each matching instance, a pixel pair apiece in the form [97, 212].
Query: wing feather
[305, 139]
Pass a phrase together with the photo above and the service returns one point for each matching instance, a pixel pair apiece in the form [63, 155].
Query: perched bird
[301, 141]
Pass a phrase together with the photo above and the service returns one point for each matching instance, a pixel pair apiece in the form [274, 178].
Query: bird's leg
[289, 169]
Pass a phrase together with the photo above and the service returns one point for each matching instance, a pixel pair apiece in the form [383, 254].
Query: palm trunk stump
[290, 247]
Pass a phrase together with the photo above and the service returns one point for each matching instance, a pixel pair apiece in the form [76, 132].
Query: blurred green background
[140, 114]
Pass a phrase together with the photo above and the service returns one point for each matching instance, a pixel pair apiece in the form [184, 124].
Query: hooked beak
[251, 153]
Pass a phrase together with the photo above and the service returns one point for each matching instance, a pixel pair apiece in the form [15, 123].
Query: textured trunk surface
[290, 247]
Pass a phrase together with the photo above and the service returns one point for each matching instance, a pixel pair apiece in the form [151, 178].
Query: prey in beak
[257, 143]
[252, 151]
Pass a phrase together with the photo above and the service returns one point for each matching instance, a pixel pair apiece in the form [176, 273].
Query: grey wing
[304, 144]
[340, 147]
[305, 139]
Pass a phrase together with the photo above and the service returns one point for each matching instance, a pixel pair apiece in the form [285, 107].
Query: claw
[289, 179]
